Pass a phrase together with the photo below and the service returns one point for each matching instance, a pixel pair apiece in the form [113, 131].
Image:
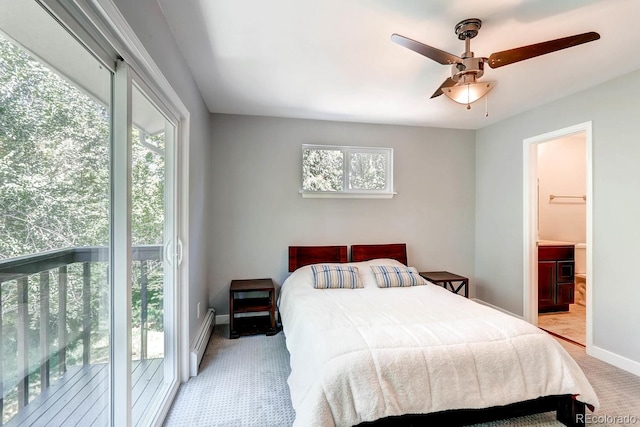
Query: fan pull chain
[486, 105]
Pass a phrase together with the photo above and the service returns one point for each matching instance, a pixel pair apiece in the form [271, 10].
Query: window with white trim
[337, 171]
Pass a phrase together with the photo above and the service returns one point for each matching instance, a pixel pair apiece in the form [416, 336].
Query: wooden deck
[81, 396]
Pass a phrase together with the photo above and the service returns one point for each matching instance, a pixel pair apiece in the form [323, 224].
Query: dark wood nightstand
[252, 296]
[446, 279]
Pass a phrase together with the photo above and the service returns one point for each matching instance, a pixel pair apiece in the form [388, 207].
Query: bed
[417, 354]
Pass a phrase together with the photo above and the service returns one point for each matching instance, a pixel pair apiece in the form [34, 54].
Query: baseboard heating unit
[199, 344]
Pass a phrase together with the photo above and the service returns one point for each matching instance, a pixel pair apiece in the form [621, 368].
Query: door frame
[530, 221]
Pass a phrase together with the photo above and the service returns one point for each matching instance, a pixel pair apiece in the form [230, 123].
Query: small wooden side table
[264, 321]
[446, 279]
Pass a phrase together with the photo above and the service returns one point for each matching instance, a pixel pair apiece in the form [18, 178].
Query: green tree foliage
[148, 173]
[367, 171]
[322, 170]
[54, 160]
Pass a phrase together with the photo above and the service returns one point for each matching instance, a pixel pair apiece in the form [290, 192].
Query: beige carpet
[243, 383]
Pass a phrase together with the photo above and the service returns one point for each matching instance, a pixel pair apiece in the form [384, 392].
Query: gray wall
[614, 108]
[244, 194]
[258, 211]
[147, 21]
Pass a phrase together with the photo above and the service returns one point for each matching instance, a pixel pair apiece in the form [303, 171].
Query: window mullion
[345, 170]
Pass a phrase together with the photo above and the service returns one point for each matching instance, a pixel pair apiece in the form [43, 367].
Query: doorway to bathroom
[557, 224]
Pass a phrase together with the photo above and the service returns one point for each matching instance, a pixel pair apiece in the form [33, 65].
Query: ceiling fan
[463, 86]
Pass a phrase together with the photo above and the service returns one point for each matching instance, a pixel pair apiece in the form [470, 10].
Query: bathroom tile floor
[571, 325]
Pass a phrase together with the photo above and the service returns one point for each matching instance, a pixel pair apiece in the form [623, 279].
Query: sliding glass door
[55, 222]
[152, 245]
[88, 243]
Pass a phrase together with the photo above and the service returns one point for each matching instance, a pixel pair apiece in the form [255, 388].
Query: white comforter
[364, 354]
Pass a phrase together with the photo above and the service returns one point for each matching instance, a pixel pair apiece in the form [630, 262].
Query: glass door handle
[173, 252]
[179, 251]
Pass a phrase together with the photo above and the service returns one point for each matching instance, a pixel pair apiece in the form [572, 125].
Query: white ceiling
[333, 59]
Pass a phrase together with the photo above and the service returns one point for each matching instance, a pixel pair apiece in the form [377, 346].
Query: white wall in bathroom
[562, 172]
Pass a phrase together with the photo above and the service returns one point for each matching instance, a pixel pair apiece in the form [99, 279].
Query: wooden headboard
[397, 251]
[299, 256]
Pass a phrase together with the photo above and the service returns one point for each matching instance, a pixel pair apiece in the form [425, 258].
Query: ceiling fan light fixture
[462, 87]
[468, 93]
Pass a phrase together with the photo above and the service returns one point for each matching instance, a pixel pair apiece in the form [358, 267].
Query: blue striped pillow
[388, 276]
[327, 276]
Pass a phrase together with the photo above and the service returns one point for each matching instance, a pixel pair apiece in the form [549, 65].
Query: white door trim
[530, 220]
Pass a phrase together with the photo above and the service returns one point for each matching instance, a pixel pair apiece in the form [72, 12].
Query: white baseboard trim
[222, 319]
[495, 307]
[615, 359]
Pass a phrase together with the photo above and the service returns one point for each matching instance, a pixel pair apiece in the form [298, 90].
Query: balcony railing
[31, 280]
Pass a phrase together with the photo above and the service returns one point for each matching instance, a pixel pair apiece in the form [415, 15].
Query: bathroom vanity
[556, 275]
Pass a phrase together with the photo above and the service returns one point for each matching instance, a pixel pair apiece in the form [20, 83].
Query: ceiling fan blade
[444, 58]
[447, 83]
[506, 57]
